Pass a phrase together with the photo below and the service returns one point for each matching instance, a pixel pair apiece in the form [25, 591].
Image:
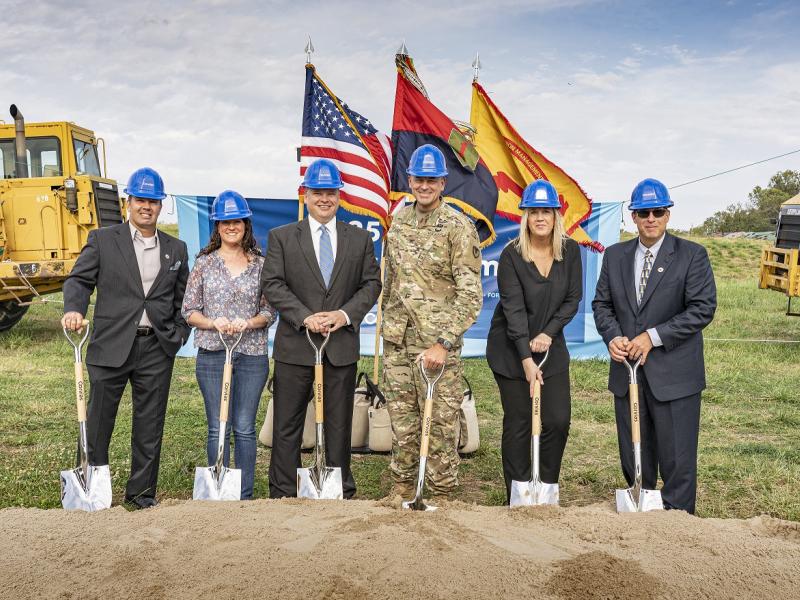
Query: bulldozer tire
[10, 314]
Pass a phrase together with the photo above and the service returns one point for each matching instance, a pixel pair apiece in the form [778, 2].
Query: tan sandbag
[359, 438]
[380, 429]
[265, 435]
[469, 433]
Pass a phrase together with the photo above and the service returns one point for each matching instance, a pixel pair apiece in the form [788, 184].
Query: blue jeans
[249, 377]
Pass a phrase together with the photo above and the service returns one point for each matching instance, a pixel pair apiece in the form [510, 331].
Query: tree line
[760, 209]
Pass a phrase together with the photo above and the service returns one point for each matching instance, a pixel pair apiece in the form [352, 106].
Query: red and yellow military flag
[514, 163]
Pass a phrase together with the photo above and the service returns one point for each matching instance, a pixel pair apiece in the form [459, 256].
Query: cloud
[210, 93]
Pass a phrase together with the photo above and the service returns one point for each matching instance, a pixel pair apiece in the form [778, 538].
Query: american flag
[333, 130]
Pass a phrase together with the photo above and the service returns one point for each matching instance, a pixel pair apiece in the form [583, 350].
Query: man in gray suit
[321, 275]
[140, 276]
[655, 295]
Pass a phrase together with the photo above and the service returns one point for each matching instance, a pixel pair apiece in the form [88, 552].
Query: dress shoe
[141, 502]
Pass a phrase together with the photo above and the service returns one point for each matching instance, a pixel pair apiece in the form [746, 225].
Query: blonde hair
[523, 243]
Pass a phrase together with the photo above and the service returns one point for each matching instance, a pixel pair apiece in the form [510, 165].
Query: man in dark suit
[655, 295]
[140, 276]
[321, 274]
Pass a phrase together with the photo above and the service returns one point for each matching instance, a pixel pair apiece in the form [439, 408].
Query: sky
[210, 93]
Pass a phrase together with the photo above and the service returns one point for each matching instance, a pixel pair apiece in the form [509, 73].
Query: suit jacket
[679, 301]
[531, 304]
[292, 283]
[108, 263]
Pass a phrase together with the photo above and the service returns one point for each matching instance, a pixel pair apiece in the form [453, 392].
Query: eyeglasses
[656, 212]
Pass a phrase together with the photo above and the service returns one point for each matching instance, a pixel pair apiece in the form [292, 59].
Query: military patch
[476, 252]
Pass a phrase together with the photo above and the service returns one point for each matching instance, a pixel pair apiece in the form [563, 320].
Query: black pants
[517, 416]
[669, 444]
[292, 386]
[149, 370]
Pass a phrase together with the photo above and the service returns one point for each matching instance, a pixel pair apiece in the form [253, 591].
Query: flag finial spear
[309, 50]
[476, 67]
[402, 50]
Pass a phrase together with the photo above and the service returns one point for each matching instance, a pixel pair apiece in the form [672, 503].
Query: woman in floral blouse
[223, 294]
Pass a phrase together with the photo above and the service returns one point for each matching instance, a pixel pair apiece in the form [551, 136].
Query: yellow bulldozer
[780, 264]
[52, 194]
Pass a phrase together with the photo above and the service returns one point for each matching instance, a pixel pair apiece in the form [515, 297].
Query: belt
[143, 331]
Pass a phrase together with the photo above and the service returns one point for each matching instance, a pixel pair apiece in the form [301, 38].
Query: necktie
[648, 264]
[325, 254]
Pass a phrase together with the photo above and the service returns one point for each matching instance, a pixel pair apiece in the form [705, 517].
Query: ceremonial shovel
[636, 499]
[535, 491]
[218, 482]
[319, 482]
[86, 487]
[418, 503]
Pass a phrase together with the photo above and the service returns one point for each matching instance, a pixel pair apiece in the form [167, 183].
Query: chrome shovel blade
[208, 487]
[533, 493]
[325, 484]
[647, 500]
[418, 504]
[95, 496]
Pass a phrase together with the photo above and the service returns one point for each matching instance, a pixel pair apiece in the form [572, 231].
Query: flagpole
[309, 50]
[476, 67]
[379, 318]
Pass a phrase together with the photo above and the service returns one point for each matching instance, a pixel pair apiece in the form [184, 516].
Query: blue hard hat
[146, 183]
[427, 161]
[322, 174]
[540, 194]
[650, 193]
[229, 206]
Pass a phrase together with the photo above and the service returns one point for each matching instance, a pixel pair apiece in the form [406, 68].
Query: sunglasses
[656, 212]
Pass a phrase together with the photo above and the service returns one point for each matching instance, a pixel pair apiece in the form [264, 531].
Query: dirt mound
[363, 550]
[600, 576]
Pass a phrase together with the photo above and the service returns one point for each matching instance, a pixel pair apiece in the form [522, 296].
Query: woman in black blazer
[540, 282]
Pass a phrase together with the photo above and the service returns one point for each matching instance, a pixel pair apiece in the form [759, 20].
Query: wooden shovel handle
[536, 413]
[225, 396]
[80, 392]
[319, 414]
[634, 398]
[426, 427]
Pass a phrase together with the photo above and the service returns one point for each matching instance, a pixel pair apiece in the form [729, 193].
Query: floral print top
[212, 291]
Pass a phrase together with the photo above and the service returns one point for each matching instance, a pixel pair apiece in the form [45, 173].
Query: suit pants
[669, 444]
[149, 370]
[292, 389]
[517, 416]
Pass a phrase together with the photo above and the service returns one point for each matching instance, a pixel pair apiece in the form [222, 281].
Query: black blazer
[531, 304]
[108, 263]
[679, 301]
[292, 282]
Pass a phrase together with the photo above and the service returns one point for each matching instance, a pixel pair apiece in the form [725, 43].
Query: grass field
[749, 444]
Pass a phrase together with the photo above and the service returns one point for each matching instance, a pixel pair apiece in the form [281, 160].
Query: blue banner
[582, 337]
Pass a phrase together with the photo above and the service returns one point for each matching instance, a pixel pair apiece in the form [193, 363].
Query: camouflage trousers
[405, 390]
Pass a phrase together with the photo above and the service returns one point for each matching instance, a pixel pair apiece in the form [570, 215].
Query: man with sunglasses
[655, 295]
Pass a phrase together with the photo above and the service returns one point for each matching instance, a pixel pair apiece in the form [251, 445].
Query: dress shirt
[316, 233]
[147, 257]
[638, 265]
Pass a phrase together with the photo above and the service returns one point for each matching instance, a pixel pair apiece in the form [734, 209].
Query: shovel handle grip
[225, 395]
[80, 393]
[319, 413]
[633, 392]
[536, 413]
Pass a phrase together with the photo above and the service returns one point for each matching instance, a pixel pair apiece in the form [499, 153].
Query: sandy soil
[361, 550]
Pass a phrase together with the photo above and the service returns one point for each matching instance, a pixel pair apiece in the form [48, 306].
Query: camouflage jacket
[433, 275]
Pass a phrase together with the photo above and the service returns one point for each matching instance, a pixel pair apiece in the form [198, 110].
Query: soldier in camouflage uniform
[432, 295]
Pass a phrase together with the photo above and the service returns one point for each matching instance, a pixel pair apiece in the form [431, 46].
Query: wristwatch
[444, 343]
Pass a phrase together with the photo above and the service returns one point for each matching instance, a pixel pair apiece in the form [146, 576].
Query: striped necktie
[648, 264]
[325, 254]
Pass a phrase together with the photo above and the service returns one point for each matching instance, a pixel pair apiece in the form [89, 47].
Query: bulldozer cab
[52, 194]
[780, 264]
